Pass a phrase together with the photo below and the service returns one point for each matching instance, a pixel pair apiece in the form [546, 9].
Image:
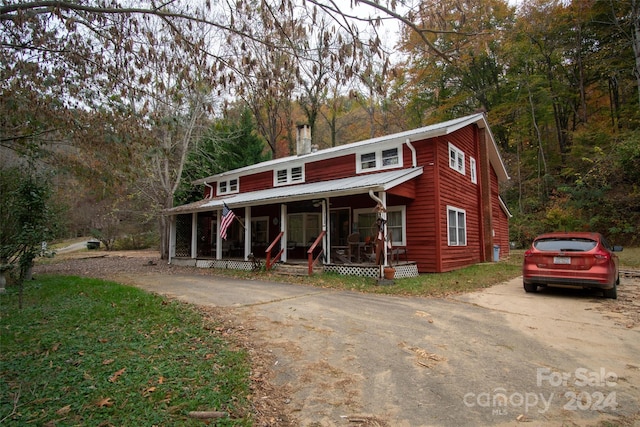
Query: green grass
[629, 257]
[463, 280]
[467, 279]
[95, 353]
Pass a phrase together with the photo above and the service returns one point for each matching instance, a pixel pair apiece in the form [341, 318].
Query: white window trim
[228, 182]
[378, 153]
[289, 179]
[473, 170]
[403, 211]
[459, 155]
[457, 211]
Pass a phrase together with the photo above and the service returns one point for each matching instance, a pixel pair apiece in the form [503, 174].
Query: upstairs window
[228, 187]
[296, 174]
[382, 159]
[282, 176]
[390, 157]
[456, 159]
[473, 170]
[368, 161]
[289, 175]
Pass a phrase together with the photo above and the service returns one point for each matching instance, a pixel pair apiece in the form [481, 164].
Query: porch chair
[353, 242]
[397, 251]
[291, 246]
[226, 249]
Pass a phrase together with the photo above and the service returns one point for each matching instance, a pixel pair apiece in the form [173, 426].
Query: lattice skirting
[402, 270]
[230, 264]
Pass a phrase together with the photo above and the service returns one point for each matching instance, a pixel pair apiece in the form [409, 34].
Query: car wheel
[530, 287]
[611, 293]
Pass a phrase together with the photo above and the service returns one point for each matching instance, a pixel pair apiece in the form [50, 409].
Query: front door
[340, 226]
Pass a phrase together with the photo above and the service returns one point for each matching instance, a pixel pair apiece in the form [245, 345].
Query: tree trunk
[635, 14]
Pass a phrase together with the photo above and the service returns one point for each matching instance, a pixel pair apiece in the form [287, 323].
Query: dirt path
[495, 357]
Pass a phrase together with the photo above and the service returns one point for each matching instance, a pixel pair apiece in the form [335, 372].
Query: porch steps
[284, 269]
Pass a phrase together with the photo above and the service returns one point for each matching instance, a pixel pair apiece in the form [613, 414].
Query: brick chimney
[303, 140]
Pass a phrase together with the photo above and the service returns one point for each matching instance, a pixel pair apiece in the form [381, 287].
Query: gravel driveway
[494, 357]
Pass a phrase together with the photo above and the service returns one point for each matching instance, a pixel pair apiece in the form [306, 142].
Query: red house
[424, 201]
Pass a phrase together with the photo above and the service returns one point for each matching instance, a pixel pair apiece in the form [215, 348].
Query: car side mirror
[617, 249]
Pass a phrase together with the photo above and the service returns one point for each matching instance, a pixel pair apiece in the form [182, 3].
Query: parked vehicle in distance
[572, 259]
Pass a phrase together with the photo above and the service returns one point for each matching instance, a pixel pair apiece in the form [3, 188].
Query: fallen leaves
[113, 378]
[423, 357]
[64, 410]
[424, 315]
[147, 391]
[105, 402]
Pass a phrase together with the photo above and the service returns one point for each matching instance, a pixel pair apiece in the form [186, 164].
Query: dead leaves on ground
[105, 402]
[113, 378]
[64, 410]
[424, 315]
[423, 357]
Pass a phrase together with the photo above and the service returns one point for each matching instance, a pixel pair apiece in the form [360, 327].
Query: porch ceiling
[382, 181]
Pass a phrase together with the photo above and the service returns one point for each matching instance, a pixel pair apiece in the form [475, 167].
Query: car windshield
[565, 245]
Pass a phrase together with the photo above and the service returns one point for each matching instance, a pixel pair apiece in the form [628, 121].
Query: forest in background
[116, 110]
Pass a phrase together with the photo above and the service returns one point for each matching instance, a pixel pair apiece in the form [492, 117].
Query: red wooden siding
[500, 219]
[258, 181]
[408, 189]
[459, 192]
[338, 167]
[421, 212]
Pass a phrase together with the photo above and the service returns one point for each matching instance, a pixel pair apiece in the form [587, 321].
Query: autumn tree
[229, 143]
[463, 72]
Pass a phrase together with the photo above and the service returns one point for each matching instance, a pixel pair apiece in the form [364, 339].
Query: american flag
[227, 219]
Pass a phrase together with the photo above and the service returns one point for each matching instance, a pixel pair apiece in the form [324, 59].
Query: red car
[582, 260]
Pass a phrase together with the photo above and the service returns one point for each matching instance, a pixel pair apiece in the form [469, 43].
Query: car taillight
[601, 257]
[528, 253]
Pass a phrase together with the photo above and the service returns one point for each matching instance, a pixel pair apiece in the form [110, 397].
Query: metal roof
[359, 184]
[438, 129]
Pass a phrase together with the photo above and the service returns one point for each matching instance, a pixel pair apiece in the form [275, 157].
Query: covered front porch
[350, 226]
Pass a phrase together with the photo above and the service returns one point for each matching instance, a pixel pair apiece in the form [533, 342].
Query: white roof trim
[431, 131]
[381, 181]
[504, 207]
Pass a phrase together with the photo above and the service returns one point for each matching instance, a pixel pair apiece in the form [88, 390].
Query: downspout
[414, 156]
[210, 192]
[377, 199]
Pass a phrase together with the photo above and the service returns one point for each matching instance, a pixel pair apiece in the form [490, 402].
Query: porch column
[325, 227]
[172, 237]
[283, 227]
[218, 238]
[247, 232]
[194, 235]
